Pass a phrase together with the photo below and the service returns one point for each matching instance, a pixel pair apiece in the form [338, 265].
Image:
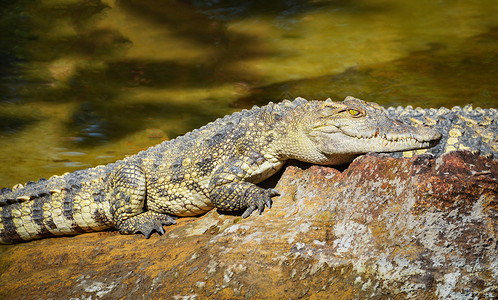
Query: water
[88, 82]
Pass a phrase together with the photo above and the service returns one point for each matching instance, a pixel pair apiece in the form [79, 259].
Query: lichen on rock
[422, 228]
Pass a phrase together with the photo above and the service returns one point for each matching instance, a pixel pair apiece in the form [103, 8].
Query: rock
[385, 227]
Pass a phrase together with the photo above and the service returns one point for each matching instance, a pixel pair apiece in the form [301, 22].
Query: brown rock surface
[422, 227]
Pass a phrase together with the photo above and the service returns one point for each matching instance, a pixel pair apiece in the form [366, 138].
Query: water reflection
[109, 78]
[450, 74]
[227, 10]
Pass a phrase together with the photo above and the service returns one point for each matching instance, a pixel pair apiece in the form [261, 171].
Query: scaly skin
[217, 165]
[463, 128]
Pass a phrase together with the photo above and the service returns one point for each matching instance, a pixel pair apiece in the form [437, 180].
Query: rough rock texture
[420, 228]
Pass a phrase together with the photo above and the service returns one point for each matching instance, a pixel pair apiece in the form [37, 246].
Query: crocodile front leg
[126, 192]
[228, 192]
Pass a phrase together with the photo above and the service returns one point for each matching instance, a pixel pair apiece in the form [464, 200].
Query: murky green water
[88, 82]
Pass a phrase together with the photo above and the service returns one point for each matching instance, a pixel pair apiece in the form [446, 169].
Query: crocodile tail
[61, 205]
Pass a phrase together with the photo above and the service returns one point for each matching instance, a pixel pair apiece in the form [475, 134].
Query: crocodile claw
[155, 224]
[273, 193]
[260, 200]
[248, 211]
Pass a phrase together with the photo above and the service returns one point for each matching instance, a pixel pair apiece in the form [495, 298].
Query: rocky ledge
[420, 228]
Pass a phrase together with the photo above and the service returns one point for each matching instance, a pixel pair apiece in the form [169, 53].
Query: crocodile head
[340, 131]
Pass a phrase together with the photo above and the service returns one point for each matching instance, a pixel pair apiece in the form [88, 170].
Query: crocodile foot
[260, 199]
[146, 223]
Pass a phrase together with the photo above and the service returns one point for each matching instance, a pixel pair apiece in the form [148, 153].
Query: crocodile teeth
[23, 198]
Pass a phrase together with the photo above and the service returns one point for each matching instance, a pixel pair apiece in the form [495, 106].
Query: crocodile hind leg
[126, 192]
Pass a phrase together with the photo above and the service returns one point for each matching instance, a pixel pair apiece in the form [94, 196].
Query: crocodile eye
[354, 113]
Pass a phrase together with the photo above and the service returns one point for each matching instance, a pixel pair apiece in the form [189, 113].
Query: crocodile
[216, 166]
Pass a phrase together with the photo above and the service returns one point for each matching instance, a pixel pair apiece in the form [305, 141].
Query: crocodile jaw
[339, 143]
[333, 141]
